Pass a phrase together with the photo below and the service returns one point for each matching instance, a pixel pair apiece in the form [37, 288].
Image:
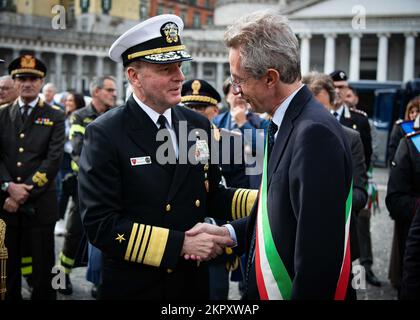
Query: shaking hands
[205, 241]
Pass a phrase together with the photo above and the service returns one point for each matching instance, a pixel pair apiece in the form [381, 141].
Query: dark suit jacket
[359, 186]
[137, 214]
[309, 178]
[31, 153]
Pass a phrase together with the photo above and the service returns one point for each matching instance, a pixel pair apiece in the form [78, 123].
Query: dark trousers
[74, 240]
[365, 242]
[41, 244]
[63, 196]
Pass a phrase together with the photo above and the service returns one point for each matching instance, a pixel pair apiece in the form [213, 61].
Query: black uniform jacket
[308, 183]
[137, 214]
[358, 120]
[31, 153]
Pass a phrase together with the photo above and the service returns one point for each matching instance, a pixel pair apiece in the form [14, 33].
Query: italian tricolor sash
[273, 280]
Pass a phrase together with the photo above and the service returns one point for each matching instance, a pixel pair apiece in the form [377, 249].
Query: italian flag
[273, 280]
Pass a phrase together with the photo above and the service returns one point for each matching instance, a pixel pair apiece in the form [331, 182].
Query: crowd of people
[248, 204]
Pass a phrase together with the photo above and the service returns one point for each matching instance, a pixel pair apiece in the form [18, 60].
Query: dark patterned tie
[272, 129]
[25, 111]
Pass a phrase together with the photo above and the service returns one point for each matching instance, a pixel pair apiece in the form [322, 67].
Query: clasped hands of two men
[18, 194]
[205, 241]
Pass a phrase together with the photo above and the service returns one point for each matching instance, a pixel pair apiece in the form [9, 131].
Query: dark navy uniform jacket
[31, 153]
[137, 214]
[309, 179]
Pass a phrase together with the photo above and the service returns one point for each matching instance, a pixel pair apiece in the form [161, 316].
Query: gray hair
[266, 41]
[49, 85]
[99, 83]
[2, 78]
[320, 81]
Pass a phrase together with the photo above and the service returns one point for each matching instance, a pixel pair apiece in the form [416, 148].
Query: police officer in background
[104, 94]
[31, 148]
[357, 120]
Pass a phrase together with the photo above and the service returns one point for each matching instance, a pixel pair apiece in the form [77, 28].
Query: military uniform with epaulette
[74, 252]
[403, 198]
[31, 149]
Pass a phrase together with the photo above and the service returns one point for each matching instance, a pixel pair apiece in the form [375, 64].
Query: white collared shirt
[339, 111]
[31, 105]
[281, 110]
[155, 116]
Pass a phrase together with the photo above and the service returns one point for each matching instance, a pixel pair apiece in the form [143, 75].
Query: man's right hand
[10, 205]
[19, 192]
[204, 246]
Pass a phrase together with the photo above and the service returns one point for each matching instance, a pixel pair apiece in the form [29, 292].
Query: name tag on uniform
[202, 152]
[140, 161]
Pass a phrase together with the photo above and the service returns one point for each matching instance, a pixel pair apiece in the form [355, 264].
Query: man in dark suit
[31, 149]
[138, 195]
[297, 236]
[356, 119]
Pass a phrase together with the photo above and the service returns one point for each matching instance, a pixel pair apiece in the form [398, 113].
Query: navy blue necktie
[272, 129]
[162, 125]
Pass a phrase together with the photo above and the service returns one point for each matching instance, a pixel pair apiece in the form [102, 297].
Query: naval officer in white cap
[136, 209]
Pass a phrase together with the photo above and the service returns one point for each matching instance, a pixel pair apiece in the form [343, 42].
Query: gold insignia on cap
[120, 237]
[40, 179]
[27, 62]
[196, 86]
[171, 32]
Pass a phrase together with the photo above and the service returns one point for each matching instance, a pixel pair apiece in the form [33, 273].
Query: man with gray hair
[49, 90]
[8, 90]
[104, 93]
[297, 237]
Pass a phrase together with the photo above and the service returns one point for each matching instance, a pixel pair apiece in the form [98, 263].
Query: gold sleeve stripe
[239, 205]
[144, 244]
[243, 206]
[156, 247]
[131, 241]
[235, 195]
[137, 245]
[235, 211]
[253, 194]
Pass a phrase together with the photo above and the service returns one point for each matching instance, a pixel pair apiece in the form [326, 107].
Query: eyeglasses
[236, 84]
[110, 90]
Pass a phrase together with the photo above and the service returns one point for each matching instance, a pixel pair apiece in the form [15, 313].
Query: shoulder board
[415, 139]
[2, 106]
[358, 111]
[407, 126]
[41, 103]
[55, 107]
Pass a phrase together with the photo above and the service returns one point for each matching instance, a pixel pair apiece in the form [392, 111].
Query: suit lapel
[286, 128]
[181, 170]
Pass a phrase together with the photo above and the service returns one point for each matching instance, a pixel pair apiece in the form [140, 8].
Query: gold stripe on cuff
[137, 245]
[131, 241]
[144, 244]
[156, 246]
[253, 194]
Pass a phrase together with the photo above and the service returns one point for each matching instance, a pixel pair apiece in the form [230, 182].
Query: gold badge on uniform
[40, 179]
[27, 62]
[171, 32]
[195, 86]
[120, 237]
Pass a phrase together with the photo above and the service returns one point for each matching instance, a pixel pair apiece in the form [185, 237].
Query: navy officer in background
[135, 207]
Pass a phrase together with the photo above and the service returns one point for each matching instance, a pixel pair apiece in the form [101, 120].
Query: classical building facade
[370, 39]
